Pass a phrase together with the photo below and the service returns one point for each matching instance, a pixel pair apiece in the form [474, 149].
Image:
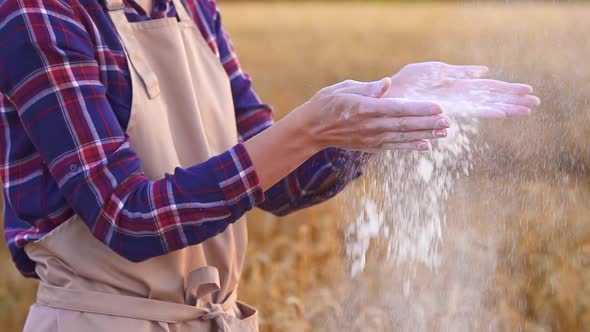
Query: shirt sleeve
[48, 71]
[318, 179]
[252, 116]
[315, 181]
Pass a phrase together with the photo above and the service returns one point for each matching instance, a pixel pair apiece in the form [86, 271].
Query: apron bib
[182, 114]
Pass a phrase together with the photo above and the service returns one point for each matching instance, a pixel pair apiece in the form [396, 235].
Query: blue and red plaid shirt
[65, 100]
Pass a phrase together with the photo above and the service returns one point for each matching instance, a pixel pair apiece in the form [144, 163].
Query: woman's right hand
[354, 116]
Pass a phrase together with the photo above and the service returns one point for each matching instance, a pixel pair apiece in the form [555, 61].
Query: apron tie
[216, 312]
[202, 282]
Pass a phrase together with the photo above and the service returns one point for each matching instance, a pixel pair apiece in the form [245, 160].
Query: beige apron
[182, 113]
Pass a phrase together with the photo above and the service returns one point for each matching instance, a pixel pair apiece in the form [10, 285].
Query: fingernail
[423, 146]
[446, 123]
[440, 133]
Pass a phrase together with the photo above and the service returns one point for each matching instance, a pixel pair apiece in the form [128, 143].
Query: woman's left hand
[461, 91]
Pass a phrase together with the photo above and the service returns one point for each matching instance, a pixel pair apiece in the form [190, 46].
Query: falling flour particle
[370, 224]
[404, 203]
[425, 168]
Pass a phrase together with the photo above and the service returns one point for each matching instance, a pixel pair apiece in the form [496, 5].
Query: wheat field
[526, 203]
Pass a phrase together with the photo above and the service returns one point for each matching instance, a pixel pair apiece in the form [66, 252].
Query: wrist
[281, 148]
[300, 126]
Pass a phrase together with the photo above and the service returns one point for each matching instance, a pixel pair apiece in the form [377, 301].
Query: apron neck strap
[114, 5]
[181, 11]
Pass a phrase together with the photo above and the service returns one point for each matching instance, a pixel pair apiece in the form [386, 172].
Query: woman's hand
[354, 116]
[402, 112]
[461, 92]
[349, 115]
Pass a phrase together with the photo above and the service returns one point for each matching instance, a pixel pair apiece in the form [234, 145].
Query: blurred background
[518, 229]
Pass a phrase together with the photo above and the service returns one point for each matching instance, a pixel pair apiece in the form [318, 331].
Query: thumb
[376, 89]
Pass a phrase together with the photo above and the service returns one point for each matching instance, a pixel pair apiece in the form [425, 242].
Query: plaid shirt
[65, 100]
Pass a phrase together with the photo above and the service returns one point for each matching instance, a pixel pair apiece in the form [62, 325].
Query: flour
[425, 169]
[404, 203]
[403, 208]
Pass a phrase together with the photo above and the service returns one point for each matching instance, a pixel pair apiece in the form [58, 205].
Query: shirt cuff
[237, 180]
[348, 164]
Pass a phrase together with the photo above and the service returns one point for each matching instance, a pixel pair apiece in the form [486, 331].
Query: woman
[134, 144]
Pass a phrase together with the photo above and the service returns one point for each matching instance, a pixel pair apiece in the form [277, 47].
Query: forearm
[146, 218]
[280, 149]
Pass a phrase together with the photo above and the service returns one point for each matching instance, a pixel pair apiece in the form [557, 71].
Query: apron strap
[116, 304]
[203, 281]
[115, 4]
[181, 11]
[116, 10]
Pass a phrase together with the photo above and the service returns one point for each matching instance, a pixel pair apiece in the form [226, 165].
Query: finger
[522, 100]
[408, 124]
[399, 107]
[466, 71]
[375, 89]
[411, 136]
[339, 85]
[420, 145]
[488, 113]
[499, 86]
[512, 110]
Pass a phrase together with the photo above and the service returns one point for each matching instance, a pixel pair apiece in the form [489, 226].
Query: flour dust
[403, 205]
[404, 274]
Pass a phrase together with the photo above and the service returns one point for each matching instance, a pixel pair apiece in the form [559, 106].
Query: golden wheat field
[518, 227]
